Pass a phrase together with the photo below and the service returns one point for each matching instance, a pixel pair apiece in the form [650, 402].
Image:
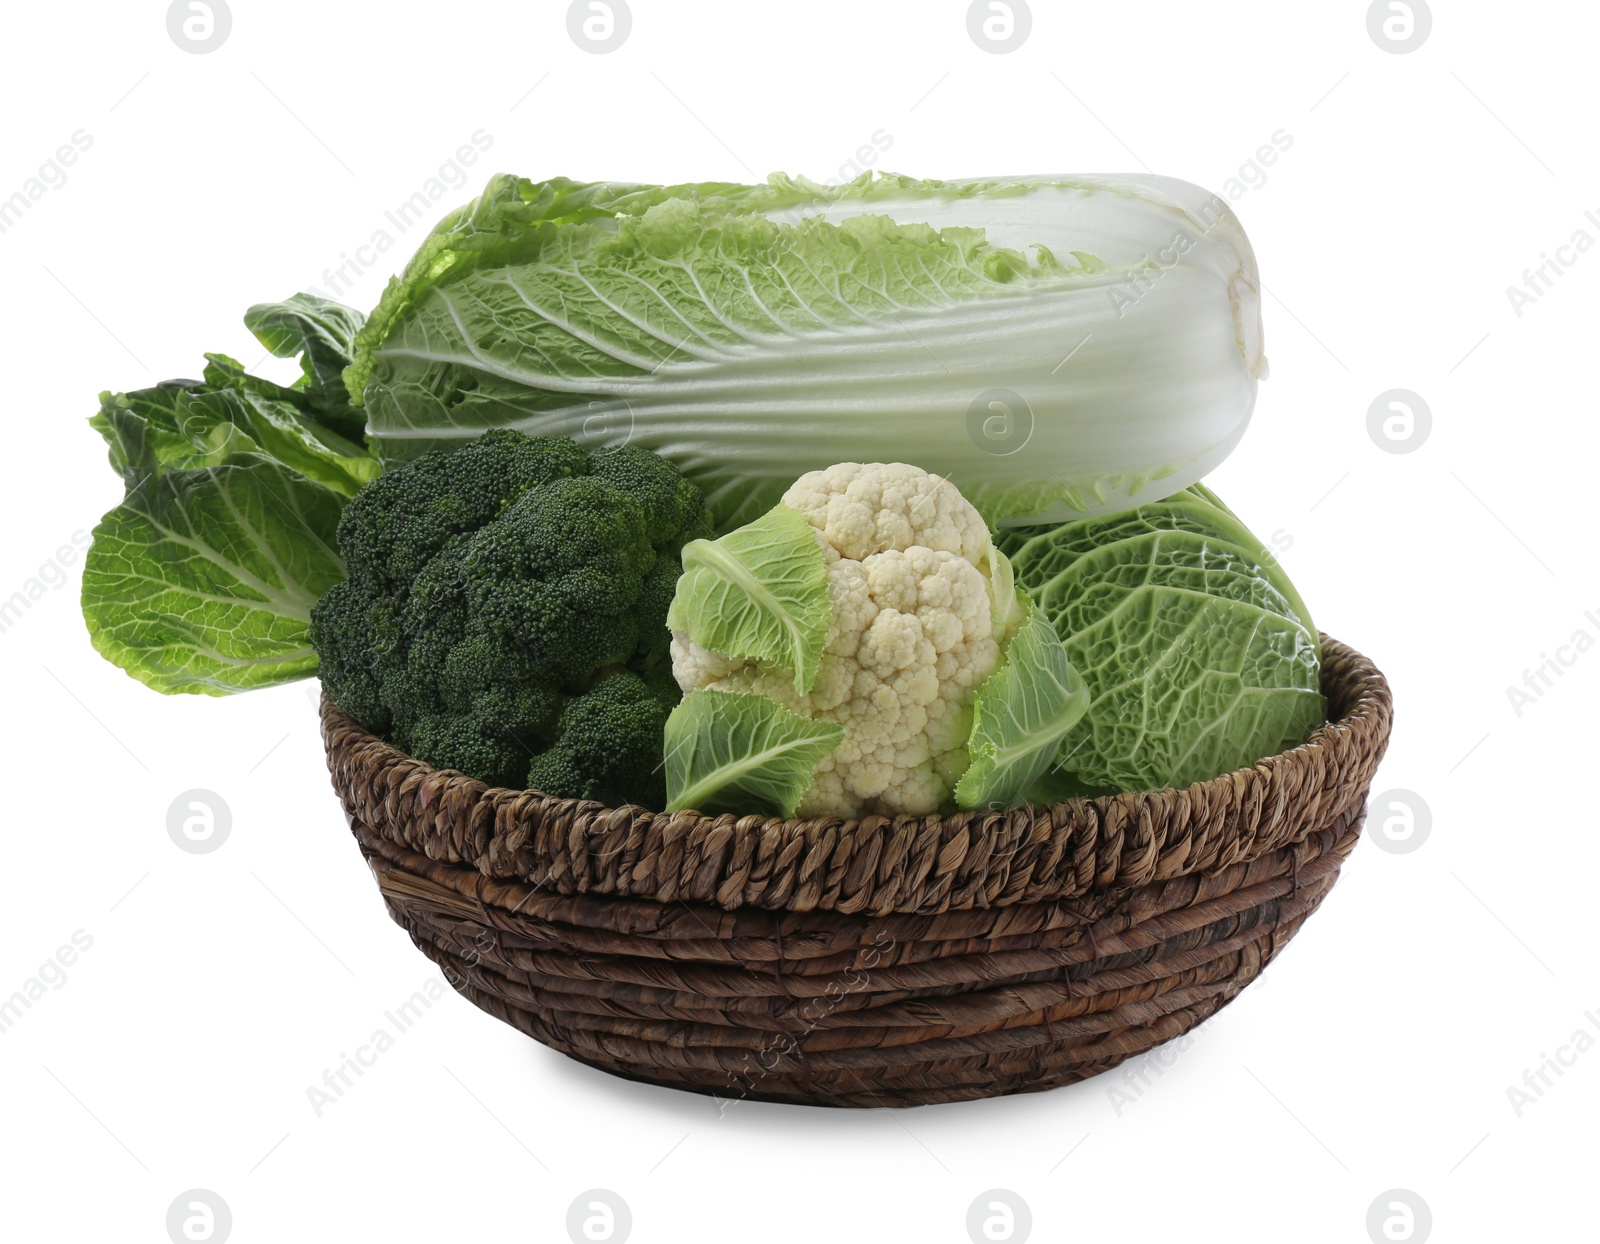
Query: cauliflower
[922, 606]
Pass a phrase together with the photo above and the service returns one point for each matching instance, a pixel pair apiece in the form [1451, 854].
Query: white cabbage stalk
[1056, 346]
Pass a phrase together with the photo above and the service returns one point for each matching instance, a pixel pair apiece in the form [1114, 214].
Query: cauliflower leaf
[1020, 715]
[733, 752]
[761, 593]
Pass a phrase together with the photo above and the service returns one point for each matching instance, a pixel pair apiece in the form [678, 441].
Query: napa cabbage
[1055, 346]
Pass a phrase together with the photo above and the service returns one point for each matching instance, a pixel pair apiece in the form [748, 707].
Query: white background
[1376, 1053]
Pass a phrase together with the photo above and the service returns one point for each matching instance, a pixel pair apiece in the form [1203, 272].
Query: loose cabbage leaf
[323, 334]
[151, 430]
[732, 752]
[1055, 345]
[760, 592]
[203, 579]
[182, 425]
[1021, 713]
[1198, 654]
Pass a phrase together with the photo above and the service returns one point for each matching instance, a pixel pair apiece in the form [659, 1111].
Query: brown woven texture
[865, 962]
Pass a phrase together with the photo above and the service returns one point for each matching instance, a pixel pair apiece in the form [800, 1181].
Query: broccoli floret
[506, 608]
[397, 523]
[529, 715]
[608, 746]
[355, 631]
[449, 742]
[561, 572]
[655, 598]
[478, 665]
[674, 510]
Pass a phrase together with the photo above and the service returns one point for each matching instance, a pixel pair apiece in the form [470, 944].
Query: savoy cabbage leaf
[1197, 652]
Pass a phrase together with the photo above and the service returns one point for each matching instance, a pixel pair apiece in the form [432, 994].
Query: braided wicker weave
[873, 962]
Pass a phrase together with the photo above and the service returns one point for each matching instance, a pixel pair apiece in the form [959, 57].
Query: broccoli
[505, 613]
[609, 743]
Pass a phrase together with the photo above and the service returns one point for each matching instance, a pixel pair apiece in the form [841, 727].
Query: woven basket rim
[874, 864]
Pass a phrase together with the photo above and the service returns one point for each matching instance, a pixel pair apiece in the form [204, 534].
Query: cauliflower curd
[915, 628]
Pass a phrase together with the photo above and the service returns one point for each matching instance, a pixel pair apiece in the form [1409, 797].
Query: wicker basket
[879, 962]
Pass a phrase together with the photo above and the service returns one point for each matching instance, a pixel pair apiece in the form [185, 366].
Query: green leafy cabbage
[1197, 652]
[322, 334]
[203, 578]
[1054, 346]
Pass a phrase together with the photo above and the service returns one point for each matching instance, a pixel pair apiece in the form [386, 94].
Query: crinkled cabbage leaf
[1198, 653]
